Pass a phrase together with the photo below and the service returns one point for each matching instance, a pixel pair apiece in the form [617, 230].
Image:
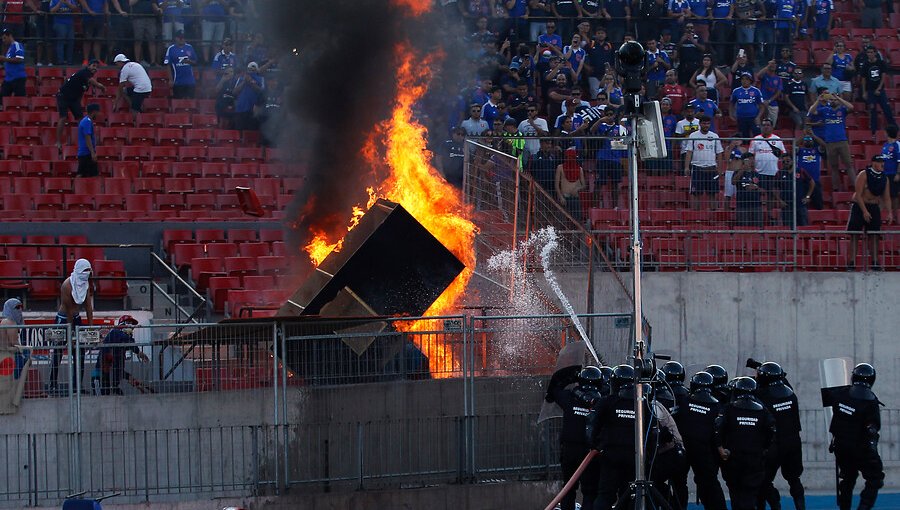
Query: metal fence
[691, 219]
[483, 426]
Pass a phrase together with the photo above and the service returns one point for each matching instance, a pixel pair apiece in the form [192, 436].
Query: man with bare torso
[75, 292]
[872, 195]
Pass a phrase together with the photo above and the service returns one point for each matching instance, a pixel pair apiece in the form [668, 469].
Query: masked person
[573, 442]
[117, 343]
[76, 292]
[781, 401]
[855, 427]
[744, 432]
[12, 316]
[871, 196]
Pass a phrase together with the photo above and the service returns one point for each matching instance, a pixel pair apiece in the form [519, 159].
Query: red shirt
[677, 94]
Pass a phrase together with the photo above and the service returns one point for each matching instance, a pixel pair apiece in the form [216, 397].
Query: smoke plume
[341, 83]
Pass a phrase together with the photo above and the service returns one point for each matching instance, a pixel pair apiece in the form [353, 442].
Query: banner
[14, 365]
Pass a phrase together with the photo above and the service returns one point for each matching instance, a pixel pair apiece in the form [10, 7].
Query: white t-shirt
[703, 148]
[135, 74]
[532, 145]
[766, 162]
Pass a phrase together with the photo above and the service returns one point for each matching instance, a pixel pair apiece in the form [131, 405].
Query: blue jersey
[679, 6]
[85, 130]
[891, 154]
[616, 8]
[810, 160]
[707, 106]
[177, 57]
[736, 153]
[839, 66]
[519, 9]
[721, 8]
[489, 113]
[669, 122]
[63, 16]
[823, 14]
[545, 39]
[784, 14]
[746, 101]
[577, 56]
[171, 10]
[98, 6]
[835, 128]
[770, 84]
[14, 71]
[611, 149]
[658, 74]
[699, 8]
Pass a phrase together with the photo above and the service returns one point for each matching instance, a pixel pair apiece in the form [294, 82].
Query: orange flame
[400, 143]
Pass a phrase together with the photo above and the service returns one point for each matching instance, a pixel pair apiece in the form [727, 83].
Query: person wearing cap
[116, 345]
[63, 29]
[224, 58]
[248, 90]
[746, 107]
[87, 143]
[134, 82]
[69, 96]
[871, 198]
[181, 57]
[13, 66]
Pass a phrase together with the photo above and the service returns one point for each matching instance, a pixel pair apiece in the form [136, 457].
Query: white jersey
[532, 145]
[703, 148]
[766, 160]
[135, 74]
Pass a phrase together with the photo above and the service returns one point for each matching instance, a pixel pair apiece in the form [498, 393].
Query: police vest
[746, 430]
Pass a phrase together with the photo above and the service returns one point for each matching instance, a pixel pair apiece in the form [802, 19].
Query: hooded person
[12, 316]
[76, 292]
[570, 182]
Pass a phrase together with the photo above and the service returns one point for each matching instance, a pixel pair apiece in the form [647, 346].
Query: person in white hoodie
[76, 292]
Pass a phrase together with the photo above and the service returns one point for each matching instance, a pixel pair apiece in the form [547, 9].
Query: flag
[13, 373]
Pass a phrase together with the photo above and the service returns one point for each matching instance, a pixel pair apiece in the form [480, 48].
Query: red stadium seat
[292, 184]
[199, 137]
[242, 235]
[184, 106]
[10, 168]
[114, 136]
[272, 265]
[151, 120]
[186, 169]
[39, 119]
[12, 103]
[203, 269]
[139, 202]
[267, 187]
[27, 185]
[248, 154]
[37, 169]
[262, 282]
[222, 250]
[202, 120]
[191, 153]
[218, 291]
[126, 169]
[170, 136]
[178, 120]
[220, 154]
[11, 272]
[244, 169]
[240, 266]
[88, 186]
[47, 202]
[215, 169]
[142, 136]
[13, 118]
[169, 202]
[255, 250]
[148, 185]
[109, 202]
[229, 202]
[58, 185]
[178, 185]
[279, 248]
[109, 274]
[228, 137]
[269, 235]
[156, 105]
[78, 202]
[117, 186]
[164, 153]
[109, 153]
[162, 169]
[133, 152]
[182, 254]
[210, 235]
[17, 151]
[196, 202]
[43, 103]
[45, 279]
[27, 135]
[211, 185]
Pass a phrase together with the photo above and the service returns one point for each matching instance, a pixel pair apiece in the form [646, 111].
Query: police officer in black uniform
[744, 431]
[611, 431]
[720, 383]
[780, 400]
[573, 444]
[674, 396]
[675, 377]
[697, 425]
[855, 425]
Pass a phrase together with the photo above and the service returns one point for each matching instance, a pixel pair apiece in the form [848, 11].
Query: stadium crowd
[548, 69]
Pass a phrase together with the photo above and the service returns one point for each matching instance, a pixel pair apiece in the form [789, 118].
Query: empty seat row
[153, 104]
[225, 154]
[42, 278]
[171, 237]
[111, 215]
[17, 168]
[160, 201]
[186, 254]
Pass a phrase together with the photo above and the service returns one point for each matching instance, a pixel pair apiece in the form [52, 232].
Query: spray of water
[542, 242]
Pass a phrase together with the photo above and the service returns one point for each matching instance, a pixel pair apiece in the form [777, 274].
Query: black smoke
[339, 66]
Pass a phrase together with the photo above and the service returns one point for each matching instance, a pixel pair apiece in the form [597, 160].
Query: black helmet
[674, 372]
[606, 373]
[769, 373]
[701, 381]
[622, 375]
[864, 375]
[719, 375]
[590, 376]
[744, 386]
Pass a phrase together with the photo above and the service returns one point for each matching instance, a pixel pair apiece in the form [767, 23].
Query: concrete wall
[796, 319]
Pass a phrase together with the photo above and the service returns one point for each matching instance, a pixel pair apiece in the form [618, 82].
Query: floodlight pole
[639, 347]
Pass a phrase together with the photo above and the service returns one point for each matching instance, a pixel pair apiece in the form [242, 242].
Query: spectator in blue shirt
[831, 110]
[822, 20]
[92, 24]
[249, 90]
[809, 159]
[212, 25]
[785, 23]
[658, 62]
[747, 107]
[13, 66]
[181, 58]
[549, 41]
[173, 20]
[63, 29]
[890, 151]
[87, 143]
[722, 32]
[771, 85]
[702, 103]
[224, 58]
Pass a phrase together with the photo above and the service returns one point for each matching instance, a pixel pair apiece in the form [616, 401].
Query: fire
[400, 144]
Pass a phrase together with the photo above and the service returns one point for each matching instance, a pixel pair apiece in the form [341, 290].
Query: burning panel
[389, 262]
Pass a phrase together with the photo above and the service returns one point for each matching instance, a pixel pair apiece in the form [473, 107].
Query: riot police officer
[674, 372]
[855, 427]
[780, 400]
[611, 431]
[573, 444]
[697, 425]
[720, 384]
[743, 433]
